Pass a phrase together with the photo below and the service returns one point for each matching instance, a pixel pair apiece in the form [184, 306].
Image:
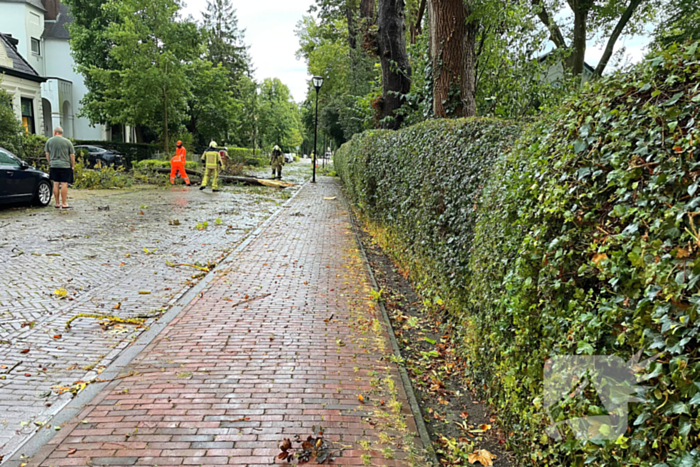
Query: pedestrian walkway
[284, 341]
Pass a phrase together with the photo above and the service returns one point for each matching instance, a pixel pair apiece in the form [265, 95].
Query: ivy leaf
[676, 97]
[579, 146]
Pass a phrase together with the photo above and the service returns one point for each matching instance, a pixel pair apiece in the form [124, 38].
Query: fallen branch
[7, 372]
[236, 179]
[249, 300]
[173, 265]
[112, 319]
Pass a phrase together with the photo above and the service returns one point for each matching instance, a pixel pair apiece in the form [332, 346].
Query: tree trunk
[417, 27]
[396, 69]
[624, 19]
[578, 55]
[367, 9]
[452, 45]
[468, 88]
[165, 120]
[352, 32]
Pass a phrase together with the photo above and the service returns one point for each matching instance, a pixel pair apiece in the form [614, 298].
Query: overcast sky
[269, 26]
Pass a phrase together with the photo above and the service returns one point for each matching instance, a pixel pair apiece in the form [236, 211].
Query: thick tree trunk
[452, 46]
[232, 178]
[579, 45]
[396, 69]
[367, 9]
[468, 88]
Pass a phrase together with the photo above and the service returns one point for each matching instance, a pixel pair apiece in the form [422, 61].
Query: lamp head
[318, 82]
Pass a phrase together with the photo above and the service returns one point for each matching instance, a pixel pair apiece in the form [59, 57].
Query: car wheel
[43, 194]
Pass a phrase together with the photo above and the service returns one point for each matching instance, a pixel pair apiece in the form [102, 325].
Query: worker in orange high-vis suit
[177, 164]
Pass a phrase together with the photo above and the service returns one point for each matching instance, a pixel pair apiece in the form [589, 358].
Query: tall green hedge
[421, 184]
[585, 242]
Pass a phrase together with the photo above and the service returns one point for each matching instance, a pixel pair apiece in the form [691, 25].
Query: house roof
[34, 3]
[58, 29]
[21, 68]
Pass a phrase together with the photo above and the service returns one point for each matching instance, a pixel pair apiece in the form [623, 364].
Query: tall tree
[599, 18]
[280, 121]
[396, 69]
[90, 45]
[211, 109]
[225, 44]
[148, 81]
[452, 48]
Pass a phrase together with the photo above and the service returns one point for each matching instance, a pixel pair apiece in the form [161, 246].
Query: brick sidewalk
[226, 381]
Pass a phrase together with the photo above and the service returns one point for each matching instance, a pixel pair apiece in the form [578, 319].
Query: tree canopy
[147, 67]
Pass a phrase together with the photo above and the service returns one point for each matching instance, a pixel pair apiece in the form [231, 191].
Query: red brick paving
[224, 384]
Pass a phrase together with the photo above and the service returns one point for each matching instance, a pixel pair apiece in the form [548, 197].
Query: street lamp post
[318, 82]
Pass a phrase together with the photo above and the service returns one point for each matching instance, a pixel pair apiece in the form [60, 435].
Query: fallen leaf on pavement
[25, 351]
[482, 456]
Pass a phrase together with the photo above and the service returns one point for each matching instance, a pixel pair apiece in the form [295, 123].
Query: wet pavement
[109, 255]
[283, 340]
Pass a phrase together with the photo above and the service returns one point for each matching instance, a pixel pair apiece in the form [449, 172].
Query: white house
[23, 84]
[39, 26]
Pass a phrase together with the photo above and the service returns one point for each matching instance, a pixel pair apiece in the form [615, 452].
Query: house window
[28, 115]
[36, 46]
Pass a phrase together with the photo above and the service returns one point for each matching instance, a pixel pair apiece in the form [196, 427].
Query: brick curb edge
[405, 379]
[31, 449]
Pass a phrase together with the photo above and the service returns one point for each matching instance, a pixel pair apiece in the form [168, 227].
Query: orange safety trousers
[178, 165]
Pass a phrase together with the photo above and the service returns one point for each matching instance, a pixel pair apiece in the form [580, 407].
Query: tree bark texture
[581, 9]
[468, 88]
[452, 51]
[396, 69]
[367, 9]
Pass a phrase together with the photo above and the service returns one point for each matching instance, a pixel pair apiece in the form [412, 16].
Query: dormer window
[36, 46]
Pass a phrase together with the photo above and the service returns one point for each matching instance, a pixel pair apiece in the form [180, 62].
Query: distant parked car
[21, 183]
[97, 154]
[289, 158]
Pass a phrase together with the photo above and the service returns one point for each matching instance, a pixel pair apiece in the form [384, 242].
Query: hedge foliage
[584, 241]
[421, 183]
[245, 156]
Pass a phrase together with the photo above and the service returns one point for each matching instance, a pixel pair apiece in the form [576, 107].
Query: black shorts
[61, 175]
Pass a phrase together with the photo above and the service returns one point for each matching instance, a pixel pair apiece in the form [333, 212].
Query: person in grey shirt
[61, 157]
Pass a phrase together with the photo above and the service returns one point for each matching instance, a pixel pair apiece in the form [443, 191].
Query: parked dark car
[21, 183]
[97, 154]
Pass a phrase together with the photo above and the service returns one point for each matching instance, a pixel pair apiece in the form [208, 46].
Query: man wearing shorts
[61, 157]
